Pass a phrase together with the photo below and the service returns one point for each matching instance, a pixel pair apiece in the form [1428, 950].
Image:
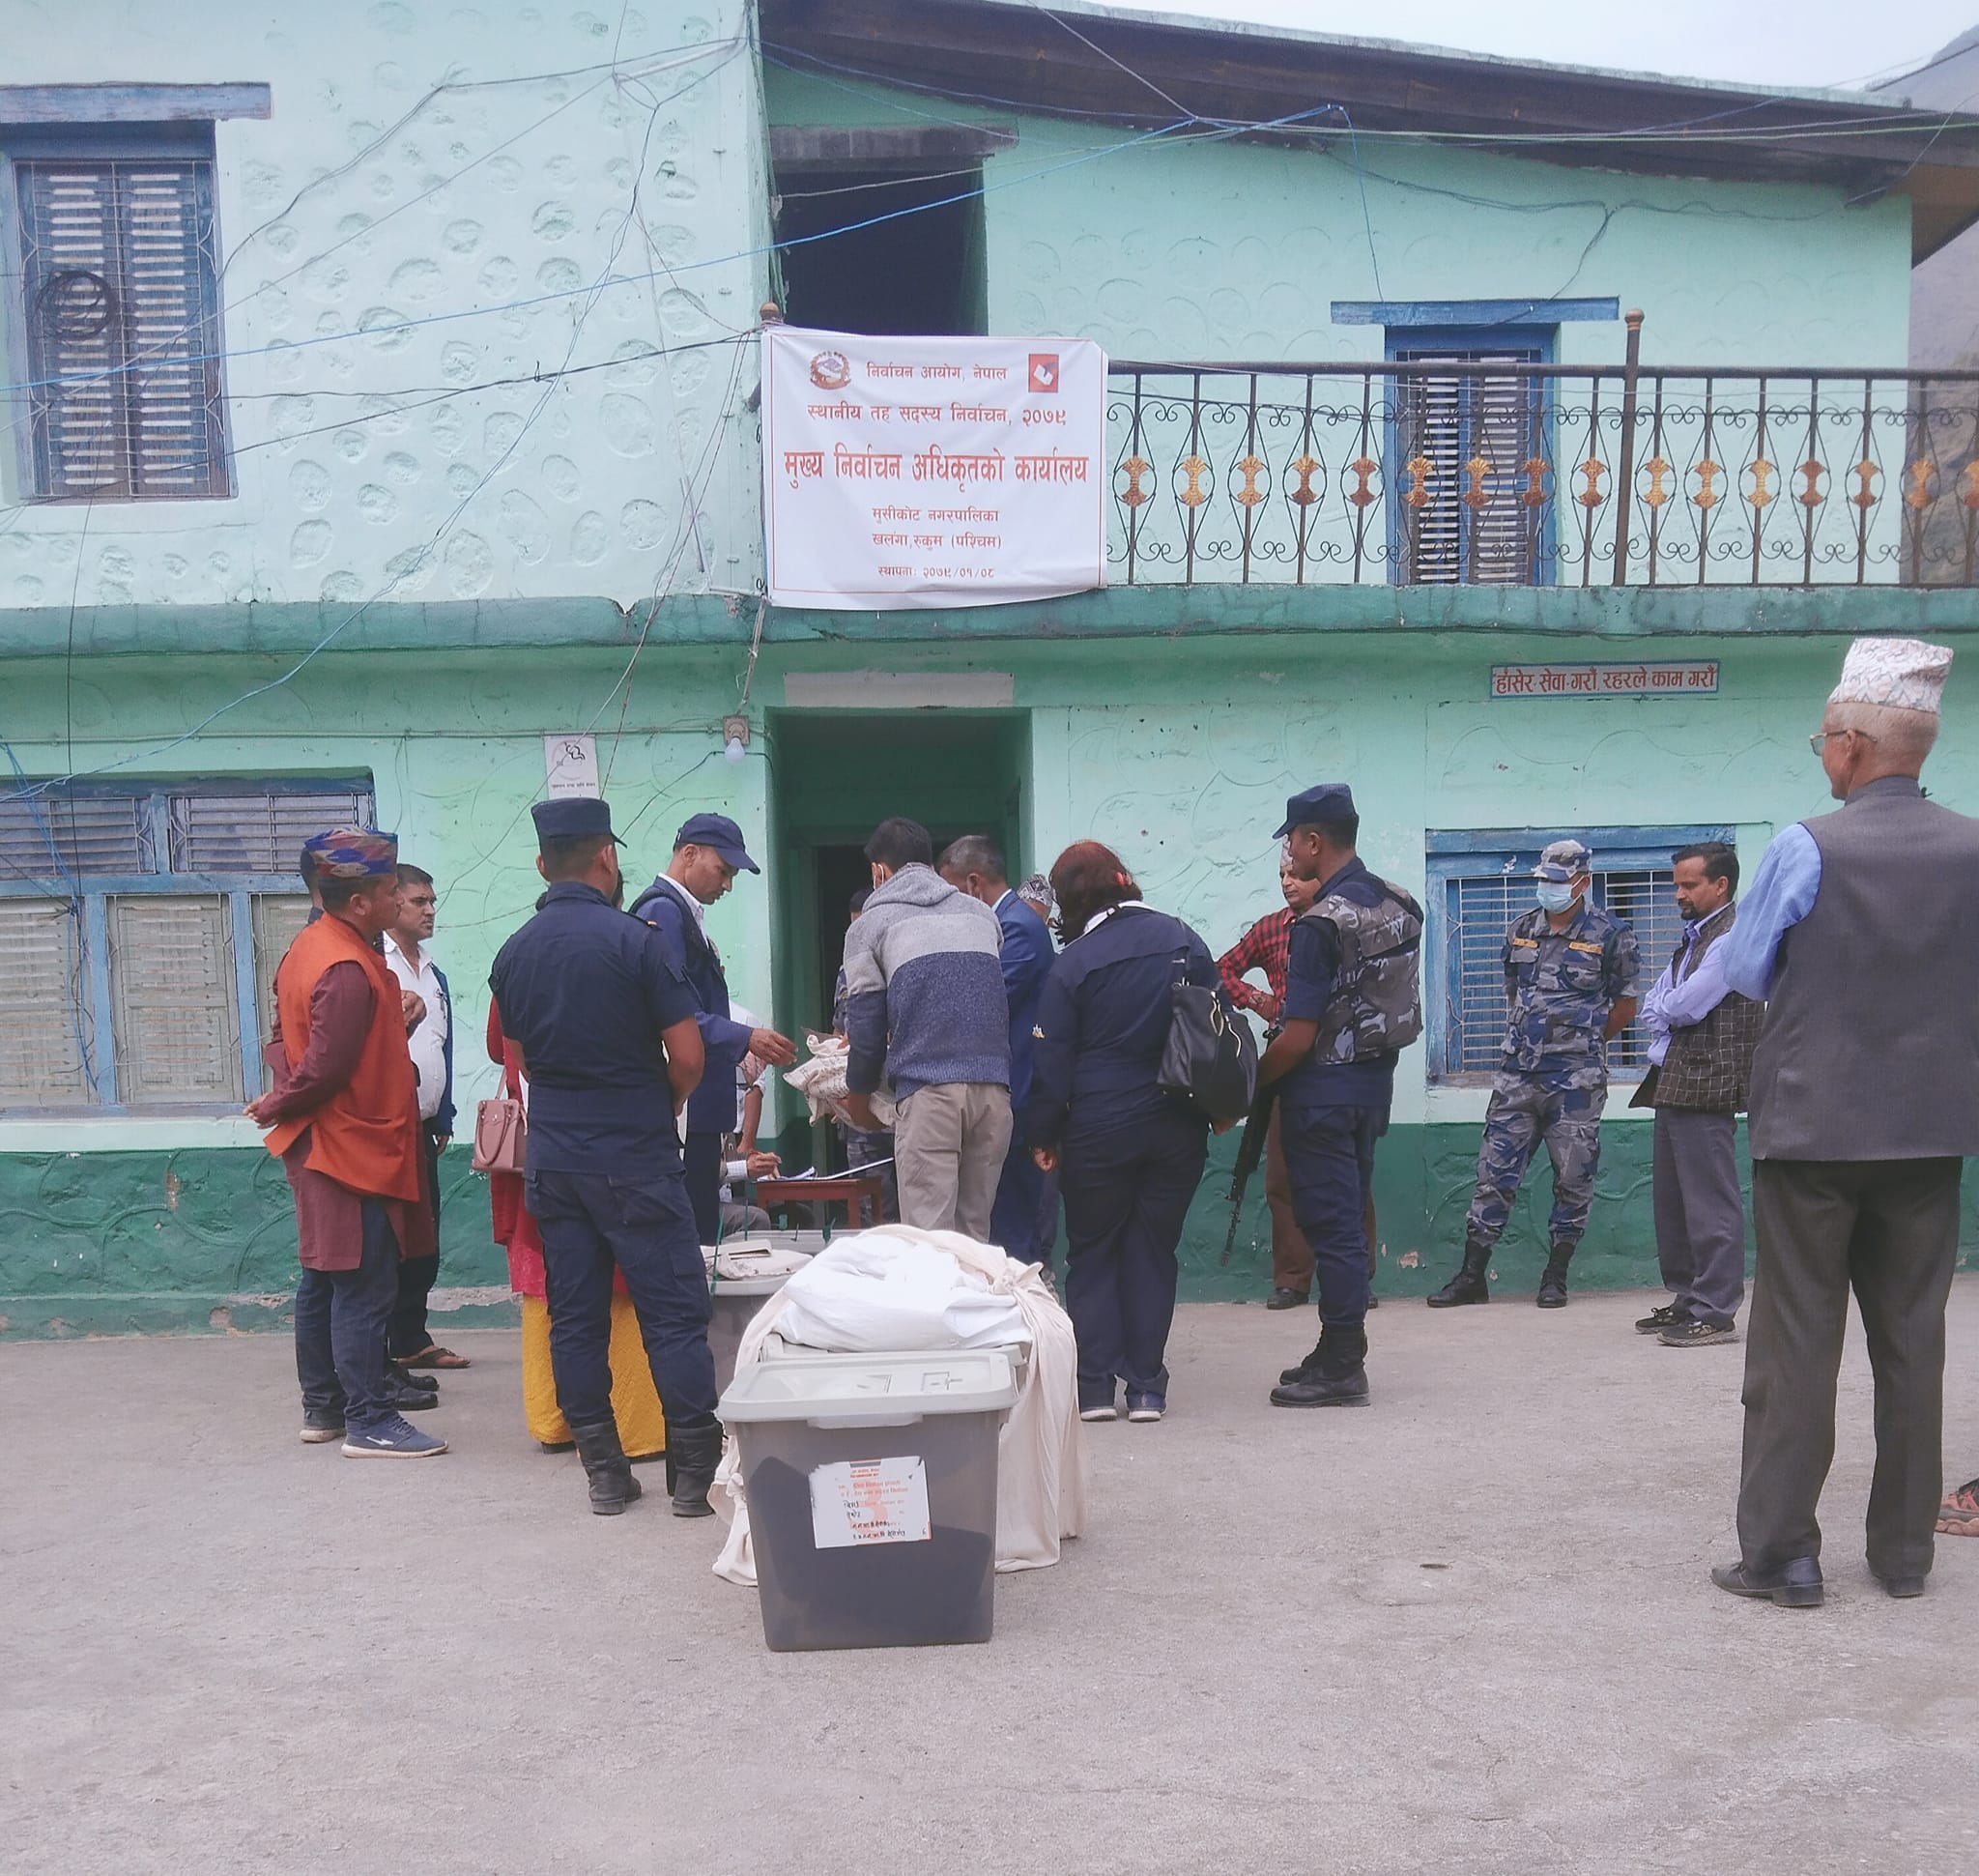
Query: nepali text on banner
[931, 472]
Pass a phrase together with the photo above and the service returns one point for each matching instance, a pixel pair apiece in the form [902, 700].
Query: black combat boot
[613, 1485]
[1337, 1378]
[694, 1453]
[1307, 1364]
[1468, 1286]
[1553, 1280]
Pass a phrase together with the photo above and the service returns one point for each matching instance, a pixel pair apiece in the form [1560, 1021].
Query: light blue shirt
[1674, 1005]
[1781, 895]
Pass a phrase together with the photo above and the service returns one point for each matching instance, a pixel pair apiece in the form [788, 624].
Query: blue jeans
[340, 1318]
[593, 1222]
[1329, 1161]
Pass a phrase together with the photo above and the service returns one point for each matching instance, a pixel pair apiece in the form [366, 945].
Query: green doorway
[834, 777]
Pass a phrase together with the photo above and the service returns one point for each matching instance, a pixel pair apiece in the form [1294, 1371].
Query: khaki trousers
[1888, 1231]
[1291, 1255]
[948, 1145]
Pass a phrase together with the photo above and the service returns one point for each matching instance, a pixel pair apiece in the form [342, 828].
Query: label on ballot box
[869, 1501]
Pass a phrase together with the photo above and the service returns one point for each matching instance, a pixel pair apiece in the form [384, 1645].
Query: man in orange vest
[344, 1120]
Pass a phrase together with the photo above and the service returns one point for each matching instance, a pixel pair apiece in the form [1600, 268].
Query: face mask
[1553, 898]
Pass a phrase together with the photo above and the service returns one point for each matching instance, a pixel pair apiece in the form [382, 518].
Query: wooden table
[855, 1191]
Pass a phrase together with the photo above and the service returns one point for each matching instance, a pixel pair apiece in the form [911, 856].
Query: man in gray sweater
[925, 1010]
[1858, 932]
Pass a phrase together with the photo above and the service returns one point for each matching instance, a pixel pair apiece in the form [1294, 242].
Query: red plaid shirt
[1266, 947]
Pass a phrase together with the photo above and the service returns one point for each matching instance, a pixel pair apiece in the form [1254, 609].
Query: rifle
[1257, 1124]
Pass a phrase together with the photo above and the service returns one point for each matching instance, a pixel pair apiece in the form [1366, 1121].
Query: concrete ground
[1469, 1628]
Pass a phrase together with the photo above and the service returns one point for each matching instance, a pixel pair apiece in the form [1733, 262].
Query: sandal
[1959, 1514]
[434, 1356]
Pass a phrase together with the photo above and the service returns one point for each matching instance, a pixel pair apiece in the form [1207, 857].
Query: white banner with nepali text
[931, 472]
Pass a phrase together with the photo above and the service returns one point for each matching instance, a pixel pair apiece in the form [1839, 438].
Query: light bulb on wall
[734, 738]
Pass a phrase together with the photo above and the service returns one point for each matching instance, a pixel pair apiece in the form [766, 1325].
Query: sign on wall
[1668, 680]
[931, 472]
[571, 765]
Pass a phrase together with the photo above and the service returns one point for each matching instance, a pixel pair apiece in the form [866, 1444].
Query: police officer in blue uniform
[1352, 1002]
[1570, 971]
[707, 855]
[606, 1029]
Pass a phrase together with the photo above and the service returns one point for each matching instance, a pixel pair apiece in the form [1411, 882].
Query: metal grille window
[140, 927]
[121, 321]
[1463, 453]
[1481, 882]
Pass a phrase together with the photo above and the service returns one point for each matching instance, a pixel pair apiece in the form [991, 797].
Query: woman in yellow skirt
[635, 1402]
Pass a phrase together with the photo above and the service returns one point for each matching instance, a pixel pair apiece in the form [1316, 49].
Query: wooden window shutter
[277, 917]
[172, 994]
[40, 1004]
[1449, 423]
[122, 317]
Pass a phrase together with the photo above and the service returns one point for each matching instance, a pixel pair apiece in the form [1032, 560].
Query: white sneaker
[1098, 1413]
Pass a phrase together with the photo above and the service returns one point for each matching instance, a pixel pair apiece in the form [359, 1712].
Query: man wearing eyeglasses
[1858, 931]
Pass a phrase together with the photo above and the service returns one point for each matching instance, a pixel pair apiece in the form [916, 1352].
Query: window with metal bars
[1479, 881]
[141, 926]
[120, 313]
[1469, 462]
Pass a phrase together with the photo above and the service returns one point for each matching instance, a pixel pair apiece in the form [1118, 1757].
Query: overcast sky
[1812, 43]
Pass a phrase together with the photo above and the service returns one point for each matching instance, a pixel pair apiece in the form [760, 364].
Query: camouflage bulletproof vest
[1376, 1007]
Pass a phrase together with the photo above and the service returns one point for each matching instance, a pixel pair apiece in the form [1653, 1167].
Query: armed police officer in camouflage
[1352, 1003]
[1570, 971]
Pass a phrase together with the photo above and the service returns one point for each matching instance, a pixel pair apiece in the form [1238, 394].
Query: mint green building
[385, 418]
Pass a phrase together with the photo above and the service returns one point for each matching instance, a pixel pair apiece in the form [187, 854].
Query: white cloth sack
[821, 1081]
[1041, 1484]
[891, 1288]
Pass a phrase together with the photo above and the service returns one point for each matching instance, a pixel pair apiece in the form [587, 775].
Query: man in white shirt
[407, 1338]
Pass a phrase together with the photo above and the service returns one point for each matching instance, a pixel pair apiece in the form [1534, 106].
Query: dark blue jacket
[586, 993]
[1102, 1025]
[712, 1107]
[1027, 956]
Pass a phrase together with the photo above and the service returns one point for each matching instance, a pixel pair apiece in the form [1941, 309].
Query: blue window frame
[117, 327]
[1468, 459]
[141, 924]
[1480, 880]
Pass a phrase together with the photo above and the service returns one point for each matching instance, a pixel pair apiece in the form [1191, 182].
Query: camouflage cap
[1562, 860]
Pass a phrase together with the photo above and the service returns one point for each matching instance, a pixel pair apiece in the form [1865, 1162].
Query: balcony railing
[1450, 473]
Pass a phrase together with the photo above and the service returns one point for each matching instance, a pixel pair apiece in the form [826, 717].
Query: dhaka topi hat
[718, 831]
[1564, 860]
[352, 853]
[572, 816]
[1329, 801]
[1900, 674]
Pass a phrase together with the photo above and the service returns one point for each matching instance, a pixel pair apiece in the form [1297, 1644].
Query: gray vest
[1708, 1064]
[1870, 1048]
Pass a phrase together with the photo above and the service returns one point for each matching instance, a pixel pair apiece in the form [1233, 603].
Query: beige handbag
[501, 1135]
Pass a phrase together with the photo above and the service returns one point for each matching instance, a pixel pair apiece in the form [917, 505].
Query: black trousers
[406, 1333]
[593, 1222]
[1888, 1231]
[1126, 1198]
[701, 1163]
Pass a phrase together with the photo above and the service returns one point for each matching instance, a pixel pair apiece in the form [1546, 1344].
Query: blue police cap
[572, 816]
[1329, 801]
[718, 831]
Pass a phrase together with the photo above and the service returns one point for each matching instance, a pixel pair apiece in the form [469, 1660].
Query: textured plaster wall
[1179, 753]
[1201, 249]
[425, 160]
